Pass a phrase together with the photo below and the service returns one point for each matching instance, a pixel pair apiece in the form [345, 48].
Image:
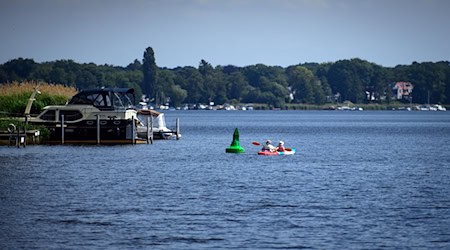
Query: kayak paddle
[259, 144]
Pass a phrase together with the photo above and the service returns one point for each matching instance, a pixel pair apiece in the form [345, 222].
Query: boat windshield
[105, 99]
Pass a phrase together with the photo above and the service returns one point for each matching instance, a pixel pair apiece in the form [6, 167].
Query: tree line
[354, 80]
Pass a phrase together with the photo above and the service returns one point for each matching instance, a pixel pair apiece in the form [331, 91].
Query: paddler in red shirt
[280, 147]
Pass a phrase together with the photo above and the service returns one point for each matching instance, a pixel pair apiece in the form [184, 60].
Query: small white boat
[435, 107]
[157, 125]
[439, 107]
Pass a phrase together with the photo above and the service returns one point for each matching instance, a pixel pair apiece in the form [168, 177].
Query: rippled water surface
[359, 180]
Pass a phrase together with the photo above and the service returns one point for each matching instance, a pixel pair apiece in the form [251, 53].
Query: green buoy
[235, 147]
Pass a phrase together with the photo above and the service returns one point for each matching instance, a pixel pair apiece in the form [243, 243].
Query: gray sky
[223, 32]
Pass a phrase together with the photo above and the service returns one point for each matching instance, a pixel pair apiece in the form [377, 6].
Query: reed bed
[14, 97]
[18, 88]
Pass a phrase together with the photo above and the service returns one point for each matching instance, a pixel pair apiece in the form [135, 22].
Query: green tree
[379, 85]
[136, 65]
[177, 94]
[42, 72]
[209, 81]
[221, 86]
[301, 81]
[58, 75]
[150, 70]
[350, 78]
[174, 93]
[277, 90]
[446, 65]
[189, 79]
[3, 75]
[429, 80]
[195, 87]
[20, 69]
[238, 87]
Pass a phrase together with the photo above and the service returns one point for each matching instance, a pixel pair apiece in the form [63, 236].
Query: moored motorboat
[96, 116]
[157, 125]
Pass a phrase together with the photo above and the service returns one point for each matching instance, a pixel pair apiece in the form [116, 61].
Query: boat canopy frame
[105, 98]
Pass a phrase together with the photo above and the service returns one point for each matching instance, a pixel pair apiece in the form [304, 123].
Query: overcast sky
[226, 32]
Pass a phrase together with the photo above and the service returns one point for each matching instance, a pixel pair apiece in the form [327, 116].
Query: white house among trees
[403, 90]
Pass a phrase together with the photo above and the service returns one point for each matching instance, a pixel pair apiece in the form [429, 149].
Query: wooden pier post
[23, 138]
[178, 128]
[62, 130]
[18, 137]
[98, 129]
[133, 130]
[149, 129]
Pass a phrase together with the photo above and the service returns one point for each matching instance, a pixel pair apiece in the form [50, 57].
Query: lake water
[359, 180]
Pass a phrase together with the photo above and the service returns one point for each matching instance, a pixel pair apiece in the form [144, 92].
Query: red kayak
[287, 152]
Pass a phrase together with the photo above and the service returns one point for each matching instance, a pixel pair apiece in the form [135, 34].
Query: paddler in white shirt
[268, 146]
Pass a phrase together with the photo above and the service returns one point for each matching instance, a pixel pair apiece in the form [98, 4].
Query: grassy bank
[14, 98]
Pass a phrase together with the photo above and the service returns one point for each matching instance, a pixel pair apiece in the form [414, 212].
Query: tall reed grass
[14, 97]
[28, 87]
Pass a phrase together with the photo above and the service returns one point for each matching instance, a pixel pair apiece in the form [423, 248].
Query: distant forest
[354, 80]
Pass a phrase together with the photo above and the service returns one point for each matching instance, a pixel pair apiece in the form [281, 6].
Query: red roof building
[403, 90]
